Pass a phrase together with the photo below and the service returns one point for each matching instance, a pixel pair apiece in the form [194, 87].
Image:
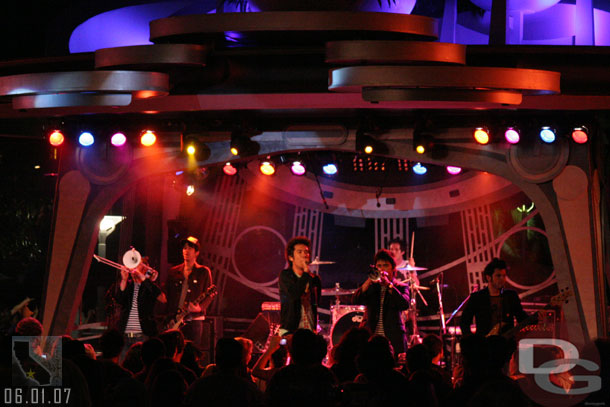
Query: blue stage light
[547, 134]
[86, 139]
[419, 169]
[330, 169]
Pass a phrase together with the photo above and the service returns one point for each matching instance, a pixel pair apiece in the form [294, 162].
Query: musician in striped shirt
[385, 298]
[137, 295]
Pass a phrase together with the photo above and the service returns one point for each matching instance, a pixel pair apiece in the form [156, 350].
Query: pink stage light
[118, 139]
[453, 170]
[297, 168]
[512, 135]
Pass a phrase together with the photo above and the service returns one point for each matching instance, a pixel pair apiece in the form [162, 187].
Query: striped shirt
[133, 322]
[379, 328]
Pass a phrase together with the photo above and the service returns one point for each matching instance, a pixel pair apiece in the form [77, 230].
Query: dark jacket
[199, 280]
[479, 307]
[291, 290]
[395, 301]
[147, 296]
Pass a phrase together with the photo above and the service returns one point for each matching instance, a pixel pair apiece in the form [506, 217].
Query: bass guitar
[177, 320]
[555, 301]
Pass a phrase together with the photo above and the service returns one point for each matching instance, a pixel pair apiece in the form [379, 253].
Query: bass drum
[345, 317]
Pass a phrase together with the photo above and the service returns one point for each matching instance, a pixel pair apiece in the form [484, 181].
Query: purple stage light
[297, 168]
[118, 139]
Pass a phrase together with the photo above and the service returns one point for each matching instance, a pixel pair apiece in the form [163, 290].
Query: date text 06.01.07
[36, 396]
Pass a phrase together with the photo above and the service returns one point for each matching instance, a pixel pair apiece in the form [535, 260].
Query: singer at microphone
[299, 289]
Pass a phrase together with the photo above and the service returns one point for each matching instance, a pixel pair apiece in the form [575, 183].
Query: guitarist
[185, 282]
[492, 305]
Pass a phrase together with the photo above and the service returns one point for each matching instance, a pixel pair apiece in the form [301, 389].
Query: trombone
[131, 260]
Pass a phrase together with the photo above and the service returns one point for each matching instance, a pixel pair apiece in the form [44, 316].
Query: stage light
[512, 135]
[297, 168]
[56, 138]
[423, 141]
[242, 145]
[364, 142]
[229, 169]
[86, 139]
[547, 134]
[419, 169]
[190, 190]
[148, 138]
[267, 167]
[580, 135]
[190, 149]
[481, 135]
[453, 170]
[329, 169]
[118, 139]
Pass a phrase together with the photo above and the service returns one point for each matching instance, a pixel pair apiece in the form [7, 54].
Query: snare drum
[345, 317]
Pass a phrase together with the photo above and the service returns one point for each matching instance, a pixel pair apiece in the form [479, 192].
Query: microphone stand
[414, 340]
[453, 335]
[440, 305]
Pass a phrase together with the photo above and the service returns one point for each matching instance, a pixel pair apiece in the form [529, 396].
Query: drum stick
[412, 243]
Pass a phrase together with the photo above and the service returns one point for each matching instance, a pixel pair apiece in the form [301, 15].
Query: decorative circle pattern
[234, 255]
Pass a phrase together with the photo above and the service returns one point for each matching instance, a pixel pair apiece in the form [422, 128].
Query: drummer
[397, 249]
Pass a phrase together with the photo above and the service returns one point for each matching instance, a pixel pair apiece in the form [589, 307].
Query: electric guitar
[178, 318]
[555, 301]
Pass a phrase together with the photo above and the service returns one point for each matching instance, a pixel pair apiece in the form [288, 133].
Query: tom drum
[345, 317]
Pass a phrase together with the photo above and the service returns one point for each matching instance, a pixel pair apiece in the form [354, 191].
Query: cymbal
[317, 262]
[337, 291]
[409, 268]
[414, 286]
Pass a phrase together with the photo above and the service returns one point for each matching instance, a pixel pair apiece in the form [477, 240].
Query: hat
[191, 241]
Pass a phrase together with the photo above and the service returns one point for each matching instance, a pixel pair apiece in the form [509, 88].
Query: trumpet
[375, 274]
[131, 259]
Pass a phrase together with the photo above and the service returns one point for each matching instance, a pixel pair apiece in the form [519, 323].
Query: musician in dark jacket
[299, 289]
[137, 295]
[492, 305]
[184, 284]
[385, 299]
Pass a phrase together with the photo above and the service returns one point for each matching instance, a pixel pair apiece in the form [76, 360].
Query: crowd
[361, 370]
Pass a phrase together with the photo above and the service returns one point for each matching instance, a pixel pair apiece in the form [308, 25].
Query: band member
[385, 299]
[397, 249]
[137, 295]
[185, 282]
[494, 304]
[299, 289]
